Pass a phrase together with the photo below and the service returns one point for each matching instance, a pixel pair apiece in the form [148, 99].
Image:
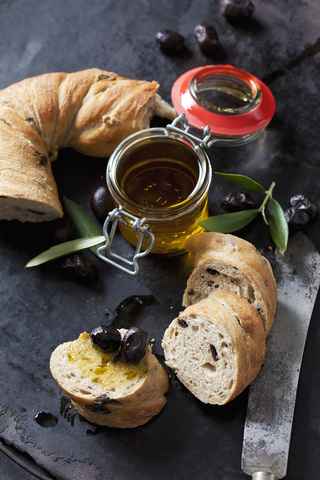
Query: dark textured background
[39, 309]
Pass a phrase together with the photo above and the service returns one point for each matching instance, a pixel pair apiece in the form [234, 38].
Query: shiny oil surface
[100, 367]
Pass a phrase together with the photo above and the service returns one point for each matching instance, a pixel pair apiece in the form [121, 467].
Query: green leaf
[229, 222]
[65, 249]
[83, 223]
[243, 181]
[278, 225]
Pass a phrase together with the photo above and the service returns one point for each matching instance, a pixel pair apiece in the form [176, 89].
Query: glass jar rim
[252, 117]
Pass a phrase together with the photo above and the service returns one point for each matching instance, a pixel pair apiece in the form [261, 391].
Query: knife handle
[264, 476]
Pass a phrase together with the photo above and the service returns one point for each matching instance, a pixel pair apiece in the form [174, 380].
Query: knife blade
[272, 395]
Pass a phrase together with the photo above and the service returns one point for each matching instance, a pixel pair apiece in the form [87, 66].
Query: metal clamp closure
[181, 125]
[105, 252]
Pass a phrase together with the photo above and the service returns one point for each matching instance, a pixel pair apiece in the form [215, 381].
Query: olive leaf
[86, 229]
[278, 224]
[229, 222]
[243, 181]
[65, 248]
[83, 223]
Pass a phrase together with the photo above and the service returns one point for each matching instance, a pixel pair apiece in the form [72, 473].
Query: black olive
[101, 203]
[79, 268]
[207, 37]
[214, 352]
[296, 217]
[212, 271]
[169, 41]
[236, 8]
[62, 229]
[134, 345]
[236, 201]
[182, 323]
[269, 254]
[106, 338]
[304, 203]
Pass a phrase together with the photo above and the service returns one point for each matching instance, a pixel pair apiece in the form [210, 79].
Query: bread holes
[211, 369]
[84, 392]
[251, 296]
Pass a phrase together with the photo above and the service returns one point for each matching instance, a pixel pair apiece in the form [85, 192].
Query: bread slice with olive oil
[223, 261]
[104, 388]
[216, 347]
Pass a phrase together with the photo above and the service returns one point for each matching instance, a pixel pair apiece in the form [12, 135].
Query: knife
[272, 395]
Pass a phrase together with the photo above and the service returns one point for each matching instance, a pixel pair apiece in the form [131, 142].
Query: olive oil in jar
[159, 182]
[165, 181]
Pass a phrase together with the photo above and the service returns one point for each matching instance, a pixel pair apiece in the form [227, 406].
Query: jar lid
[231, 101]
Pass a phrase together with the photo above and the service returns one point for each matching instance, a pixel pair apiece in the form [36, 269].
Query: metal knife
[272, 395]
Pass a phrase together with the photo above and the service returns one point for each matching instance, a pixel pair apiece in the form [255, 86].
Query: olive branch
[271, 211]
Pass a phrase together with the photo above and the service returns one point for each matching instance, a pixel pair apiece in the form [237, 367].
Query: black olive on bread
[104, 388]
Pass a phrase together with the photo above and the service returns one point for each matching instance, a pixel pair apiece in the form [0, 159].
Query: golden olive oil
[159, 182]
[165, 181]
[101, 367]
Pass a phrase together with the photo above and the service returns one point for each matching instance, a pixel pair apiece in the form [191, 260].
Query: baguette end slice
[223, 261]
[127, 405]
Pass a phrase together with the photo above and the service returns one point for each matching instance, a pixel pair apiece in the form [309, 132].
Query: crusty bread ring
[91, 111]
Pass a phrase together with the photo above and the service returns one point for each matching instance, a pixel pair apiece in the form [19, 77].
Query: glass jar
[159, 177]
[162, 177]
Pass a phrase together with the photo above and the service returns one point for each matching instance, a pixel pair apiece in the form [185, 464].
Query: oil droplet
[45, 419]
[67, 409]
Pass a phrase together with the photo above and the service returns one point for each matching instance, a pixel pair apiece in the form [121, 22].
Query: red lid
[239, 102]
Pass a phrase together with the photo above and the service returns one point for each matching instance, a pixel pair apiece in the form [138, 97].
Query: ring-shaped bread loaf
[91, 111]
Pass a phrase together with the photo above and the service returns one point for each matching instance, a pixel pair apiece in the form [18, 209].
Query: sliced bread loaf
[216, 347]
[104, 388]
[223, 261]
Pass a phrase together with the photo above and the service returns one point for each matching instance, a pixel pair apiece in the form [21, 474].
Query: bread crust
[91, 111]
[227, 325]
[242, 266]
[114, 408]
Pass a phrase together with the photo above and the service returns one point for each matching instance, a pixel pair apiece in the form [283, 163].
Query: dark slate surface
[39, 309]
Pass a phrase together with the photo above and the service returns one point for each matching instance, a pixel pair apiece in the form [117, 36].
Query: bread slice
[223, 261]
[216, 347]
[106, 390]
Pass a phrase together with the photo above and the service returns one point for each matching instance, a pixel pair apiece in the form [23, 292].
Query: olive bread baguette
[223, 261]
[105, 389]
[216, 347]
